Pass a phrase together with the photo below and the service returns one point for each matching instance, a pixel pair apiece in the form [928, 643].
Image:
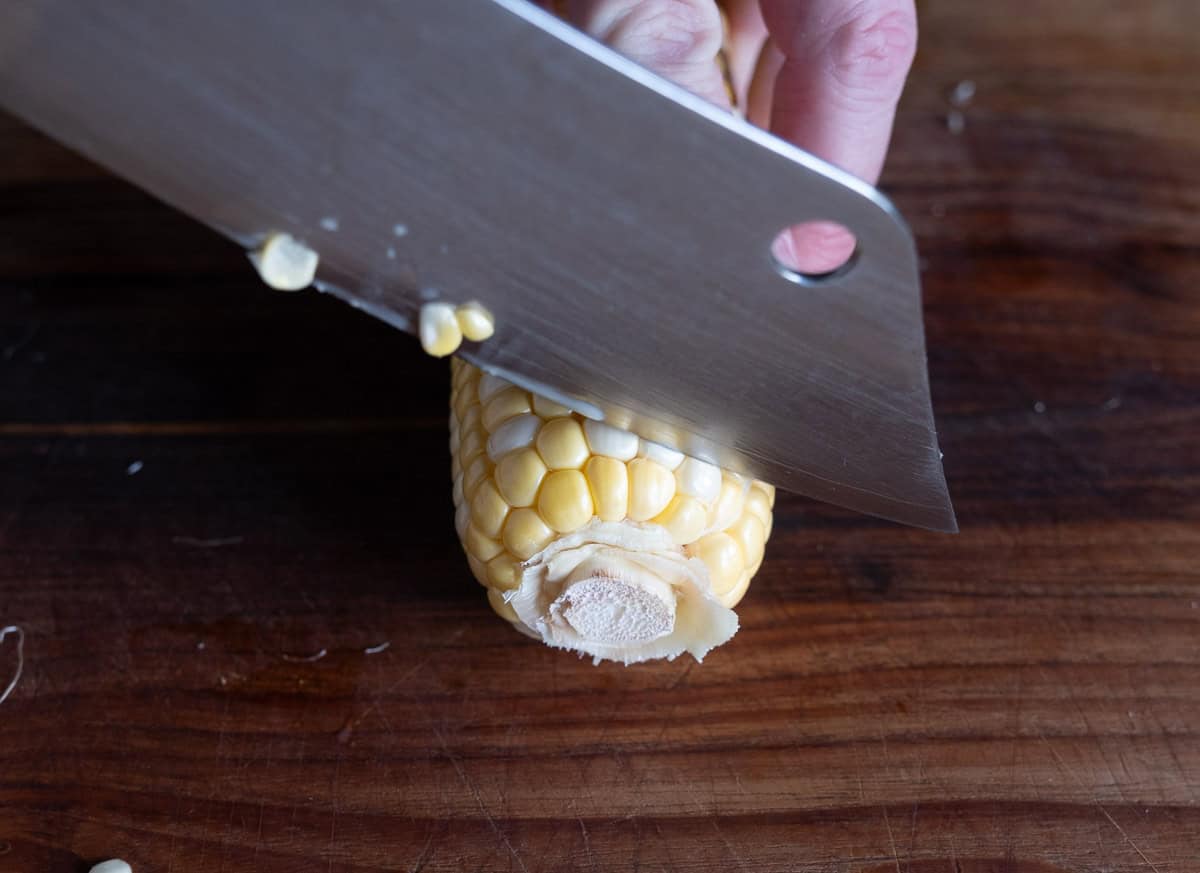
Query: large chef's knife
[617, 227]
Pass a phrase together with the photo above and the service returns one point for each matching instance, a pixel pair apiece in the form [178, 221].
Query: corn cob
[591, 539]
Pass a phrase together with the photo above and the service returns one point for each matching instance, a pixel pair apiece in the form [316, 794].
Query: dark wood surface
[1023, 697]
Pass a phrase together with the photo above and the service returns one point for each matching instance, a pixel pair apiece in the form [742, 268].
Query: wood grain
[1021, 698]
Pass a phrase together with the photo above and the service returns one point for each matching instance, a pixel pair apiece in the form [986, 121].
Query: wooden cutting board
[251, 644]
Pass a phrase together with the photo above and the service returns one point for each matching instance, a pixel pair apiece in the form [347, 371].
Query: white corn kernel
[516, 433]
[604, 439]
[699, 479]
[438, 330]
[475, 322]
[285, 263]
[660, 454]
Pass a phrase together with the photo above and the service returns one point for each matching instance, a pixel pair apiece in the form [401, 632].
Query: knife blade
[618, 227]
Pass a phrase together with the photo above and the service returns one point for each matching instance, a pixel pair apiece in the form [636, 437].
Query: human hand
[823, 74]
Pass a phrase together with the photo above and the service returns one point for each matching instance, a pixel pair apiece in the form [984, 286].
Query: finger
[746, 33]
[845, 65]
[761, 90]
[678, 39]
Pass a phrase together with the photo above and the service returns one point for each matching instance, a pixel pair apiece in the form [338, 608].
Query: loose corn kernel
[608, 479]
[565, 503]
[438, 330]
[562, 445]
[475, 322]
[651, 487]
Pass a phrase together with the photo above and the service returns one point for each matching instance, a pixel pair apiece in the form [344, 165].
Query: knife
[617, 227]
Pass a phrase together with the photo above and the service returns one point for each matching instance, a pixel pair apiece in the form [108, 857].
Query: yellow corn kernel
[488, 509]
[457, 492]
[502, 407]
[733, 596]
[503, 573]
[723, 557]
[456, 469]
[502, 609]
[482, 547]
[758, 505]
[475, 322]
[490, 385]
[525, 534]
[548, 408]
[477, 470]
[730, 503]
[463, 401]
[751, 536]
[608, 479]
[769, 490]
[478, 570]
[565, 503]
[472, 419]
[684, 518]
[562, 445]
[470, 447]
[519, 475]
[438, 329]
[651, 487]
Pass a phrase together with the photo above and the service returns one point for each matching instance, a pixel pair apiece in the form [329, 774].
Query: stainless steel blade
[617, 227]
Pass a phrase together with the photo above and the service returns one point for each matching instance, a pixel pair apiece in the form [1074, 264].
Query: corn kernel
[525, 534]
[565, 503]
[502, 407]
[504, 573]
[769, 490]
[478, 569]
[608, 479]
[684, 518]
[488, 509]
[438, 330]
[699, 479]
[660, 454]
[516, 433]
[475, 322]
[548, 408]
[751, 536]
[491, 385]
[562, 445]
[651, 487]
[609, 441]
[482, 547]
[723, 557]
[502, 609]
[470, 447]
[519, 475]
[730, 503]
[758, 505]
[476, 471]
